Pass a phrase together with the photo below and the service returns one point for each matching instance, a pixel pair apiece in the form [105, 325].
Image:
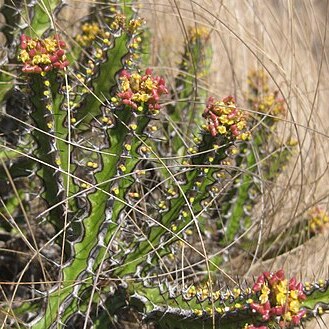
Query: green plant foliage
[189, 90]
[123, 184]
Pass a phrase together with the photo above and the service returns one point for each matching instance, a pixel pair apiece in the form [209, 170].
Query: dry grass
[289, 40]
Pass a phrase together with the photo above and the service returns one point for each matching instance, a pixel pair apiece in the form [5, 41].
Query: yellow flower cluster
[140, 92]
[289, 299]
[318, 219]
[265, 291]
[258, 82]
[134, 25]
[42, 55]
[260, 97]
[119, 22]
[91, 31]
[225, 119]
[278, 298]
[197, 32]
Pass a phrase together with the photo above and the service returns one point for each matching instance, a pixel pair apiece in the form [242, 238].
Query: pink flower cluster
[42, 55]
[225, 119]
[279, 299]
[140, 91]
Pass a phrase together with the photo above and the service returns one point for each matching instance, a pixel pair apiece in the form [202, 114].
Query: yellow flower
[148, 84]
[125, 85]
[226, 109]
[143, 98]
[223, 119]
[45, 59]
[245, 136]
[41, 59]
[241, 125]
[294, 306]
[281, 298]
[198, 312]
[264, 295]
[134, 24]
[294, 294]
[135, 81]
[282, 286]
[191, 292]
[24, 56]
[50, 44]
[198, 32]
[36, 60]
[31, 44]
[221, 129]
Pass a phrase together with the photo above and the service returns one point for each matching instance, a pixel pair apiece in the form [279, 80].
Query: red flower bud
[229, 99]
[259, 282]
[66, 63]
[31, 69]
[292, 283]
[296, 318]
[60, 52]
[279, 275]
[32, 52]
[277, 310]
[234, 130]
[212, 129]
[24, 40]
[53, 58]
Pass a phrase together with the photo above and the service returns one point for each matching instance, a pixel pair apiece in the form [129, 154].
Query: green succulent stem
[119, 203]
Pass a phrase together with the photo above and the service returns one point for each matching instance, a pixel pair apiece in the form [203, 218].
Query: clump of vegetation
[104, 196]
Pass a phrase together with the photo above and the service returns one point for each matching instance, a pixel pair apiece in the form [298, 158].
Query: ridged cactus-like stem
[122, 202]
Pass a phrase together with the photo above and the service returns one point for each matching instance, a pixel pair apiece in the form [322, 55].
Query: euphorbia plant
[121, 204]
